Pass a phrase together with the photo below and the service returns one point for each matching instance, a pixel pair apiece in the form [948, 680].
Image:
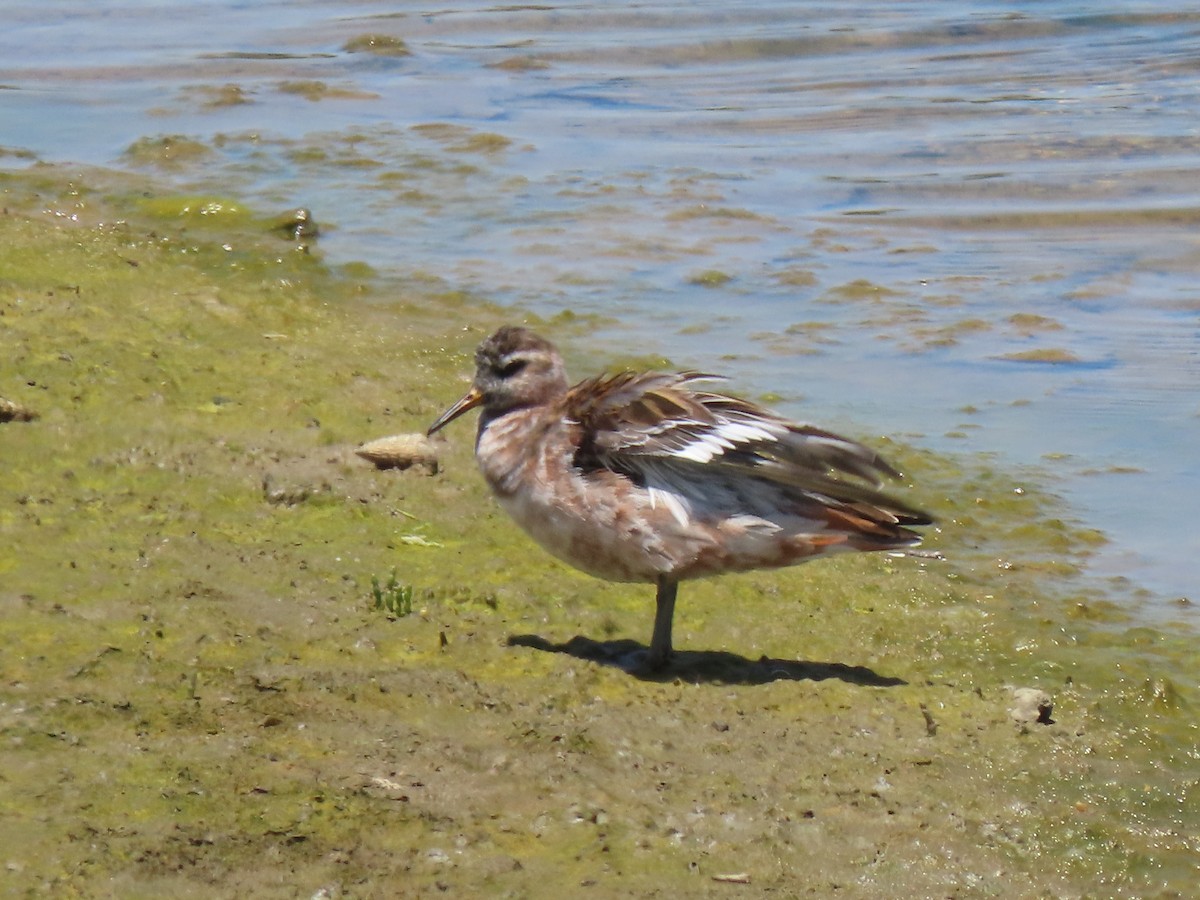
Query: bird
[651, 477]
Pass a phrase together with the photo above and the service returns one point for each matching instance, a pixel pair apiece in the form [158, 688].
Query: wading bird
[649, 477]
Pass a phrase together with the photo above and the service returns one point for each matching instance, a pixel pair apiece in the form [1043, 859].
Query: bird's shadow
[704, 666]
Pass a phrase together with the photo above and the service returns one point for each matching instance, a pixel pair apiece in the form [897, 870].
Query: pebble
[401, 451]
[1031, 706]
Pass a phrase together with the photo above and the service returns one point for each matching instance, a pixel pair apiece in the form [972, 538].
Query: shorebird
[649, 477]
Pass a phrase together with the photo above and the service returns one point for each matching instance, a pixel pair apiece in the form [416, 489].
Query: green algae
[17, 153]
[377, 45]
[796, 276]
[1032, 323]
[705, 211]
[520, 64]
[168, 152]
[221, 96]
[861, 289]
[482, 142]
[461, 139]
[1055, 356]
[195, 209]
[710, 278]
[313, 90]
[197, 696]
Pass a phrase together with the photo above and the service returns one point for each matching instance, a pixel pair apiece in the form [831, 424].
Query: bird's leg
[660, 642]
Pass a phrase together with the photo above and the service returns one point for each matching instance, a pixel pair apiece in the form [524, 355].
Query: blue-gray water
[904, 197]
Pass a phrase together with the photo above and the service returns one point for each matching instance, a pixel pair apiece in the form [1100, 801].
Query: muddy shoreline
[198, 696]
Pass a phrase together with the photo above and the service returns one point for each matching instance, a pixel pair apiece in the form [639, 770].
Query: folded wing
[659, 428]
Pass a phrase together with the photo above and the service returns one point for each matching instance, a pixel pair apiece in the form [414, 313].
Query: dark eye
[512, 368]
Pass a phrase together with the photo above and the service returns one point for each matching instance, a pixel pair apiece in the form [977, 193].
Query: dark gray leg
[660, 642]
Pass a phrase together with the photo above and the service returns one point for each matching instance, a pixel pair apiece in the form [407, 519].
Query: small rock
[298, 225]
[288, 494]
[1031, 706]
[15, 412]
[401, 451]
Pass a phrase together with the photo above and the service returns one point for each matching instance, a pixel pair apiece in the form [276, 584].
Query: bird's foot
[653, 662]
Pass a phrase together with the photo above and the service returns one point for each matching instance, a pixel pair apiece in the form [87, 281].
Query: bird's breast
[598, 521]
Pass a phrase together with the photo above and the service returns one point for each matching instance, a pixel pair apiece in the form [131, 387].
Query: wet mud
[202, 693]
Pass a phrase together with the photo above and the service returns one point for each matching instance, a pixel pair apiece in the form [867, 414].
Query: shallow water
[970, 223]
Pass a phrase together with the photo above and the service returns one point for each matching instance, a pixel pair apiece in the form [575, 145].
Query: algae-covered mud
[209, 685]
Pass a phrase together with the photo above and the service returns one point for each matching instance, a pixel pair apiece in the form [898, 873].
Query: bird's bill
[469, 401]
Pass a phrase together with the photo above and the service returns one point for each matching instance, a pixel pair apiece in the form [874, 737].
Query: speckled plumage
[649, 477]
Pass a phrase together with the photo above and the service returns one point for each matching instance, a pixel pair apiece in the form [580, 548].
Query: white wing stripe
[739, 432]
[726, 436]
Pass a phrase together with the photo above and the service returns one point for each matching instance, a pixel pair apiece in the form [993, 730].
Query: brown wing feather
[634, 422]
